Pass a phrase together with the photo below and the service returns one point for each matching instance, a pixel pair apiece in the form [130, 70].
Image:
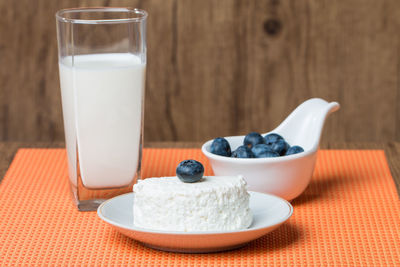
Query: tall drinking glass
[102, 63]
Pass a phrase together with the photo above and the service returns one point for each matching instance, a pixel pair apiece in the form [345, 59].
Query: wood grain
[219, 68]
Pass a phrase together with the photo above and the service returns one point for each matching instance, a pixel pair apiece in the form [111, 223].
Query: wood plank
[392, 151]
[219, 68]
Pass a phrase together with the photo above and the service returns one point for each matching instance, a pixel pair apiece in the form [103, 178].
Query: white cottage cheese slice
[215, 203]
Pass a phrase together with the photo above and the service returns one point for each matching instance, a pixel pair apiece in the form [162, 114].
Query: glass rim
[60, 15]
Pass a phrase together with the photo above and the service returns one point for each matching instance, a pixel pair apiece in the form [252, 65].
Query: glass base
[89, 205]
[87, 199]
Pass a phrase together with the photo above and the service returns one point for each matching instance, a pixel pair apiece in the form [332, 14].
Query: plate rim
[200, 233]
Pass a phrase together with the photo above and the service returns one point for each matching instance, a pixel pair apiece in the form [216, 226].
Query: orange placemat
[349, 215]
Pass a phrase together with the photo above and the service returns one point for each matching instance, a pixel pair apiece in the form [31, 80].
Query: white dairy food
[102, 99]
[215, 203]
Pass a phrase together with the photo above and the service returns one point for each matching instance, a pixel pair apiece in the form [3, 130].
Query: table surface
[391, 148]
[327, 227]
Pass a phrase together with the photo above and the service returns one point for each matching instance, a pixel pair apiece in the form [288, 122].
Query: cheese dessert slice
[215, 203]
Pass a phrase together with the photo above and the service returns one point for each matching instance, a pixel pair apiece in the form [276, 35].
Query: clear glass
[102, 66]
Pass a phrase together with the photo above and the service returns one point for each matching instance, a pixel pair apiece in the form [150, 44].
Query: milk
[102, 99]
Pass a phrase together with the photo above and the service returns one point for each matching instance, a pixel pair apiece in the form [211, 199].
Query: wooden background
[223, 67]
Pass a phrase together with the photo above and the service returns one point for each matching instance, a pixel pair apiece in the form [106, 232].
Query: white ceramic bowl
[286, 176]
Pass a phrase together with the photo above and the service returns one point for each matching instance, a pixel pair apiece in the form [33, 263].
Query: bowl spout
[304, 125]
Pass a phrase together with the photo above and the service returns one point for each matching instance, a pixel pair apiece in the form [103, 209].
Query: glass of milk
[102, 65]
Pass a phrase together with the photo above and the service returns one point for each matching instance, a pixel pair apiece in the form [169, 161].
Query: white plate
[269, 212]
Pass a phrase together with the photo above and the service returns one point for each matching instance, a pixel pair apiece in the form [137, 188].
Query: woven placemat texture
[349, 215]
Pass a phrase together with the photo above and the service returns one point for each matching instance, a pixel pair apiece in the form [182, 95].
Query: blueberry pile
[190, 171]
[256, 146]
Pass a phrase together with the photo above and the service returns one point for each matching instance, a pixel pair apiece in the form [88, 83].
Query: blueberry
[220, 146]
[272, 138]
[294, 150]
[280, 147]
[263, 151]
[253, 139]
[190, 171]
[242, 152]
